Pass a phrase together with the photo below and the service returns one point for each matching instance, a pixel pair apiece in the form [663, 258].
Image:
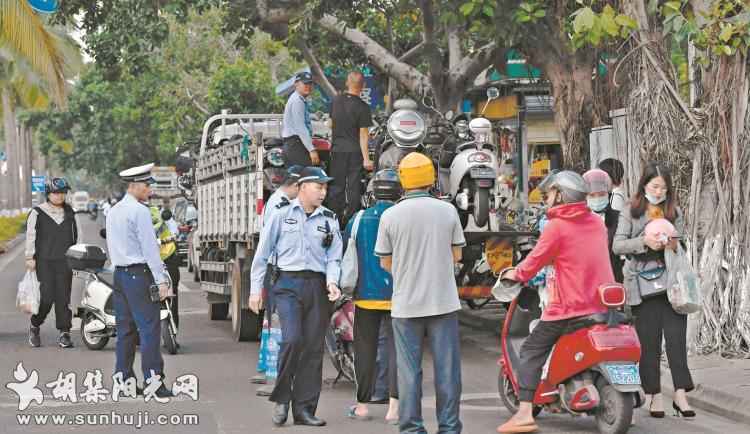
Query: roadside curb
[10, 245]
[712, 399]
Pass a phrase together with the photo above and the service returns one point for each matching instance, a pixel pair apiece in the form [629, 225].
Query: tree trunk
[11, 146]
[573, 95]
[27, 165]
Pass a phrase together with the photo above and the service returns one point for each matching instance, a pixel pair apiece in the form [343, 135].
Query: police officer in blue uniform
[304, 240]
[134, 252]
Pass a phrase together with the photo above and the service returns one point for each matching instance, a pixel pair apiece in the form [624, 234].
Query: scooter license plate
[482, 173]
[624, 374]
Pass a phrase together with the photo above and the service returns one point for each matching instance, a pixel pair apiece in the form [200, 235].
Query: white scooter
[474, 170]
[96, 310]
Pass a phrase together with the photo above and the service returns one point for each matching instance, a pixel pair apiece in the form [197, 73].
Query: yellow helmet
[416, 171]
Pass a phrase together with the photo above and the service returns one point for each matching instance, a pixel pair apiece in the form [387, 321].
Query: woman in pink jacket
[575, 243]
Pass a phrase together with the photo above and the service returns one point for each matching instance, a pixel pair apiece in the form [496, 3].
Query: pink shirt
[575, 243]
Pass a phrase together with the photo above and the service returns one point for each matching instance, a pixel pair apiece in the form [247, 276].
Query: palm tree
[27, 42]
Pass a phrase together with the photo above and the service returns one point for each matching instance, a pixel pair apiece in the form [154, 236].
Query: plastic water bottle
[263, 352]
[274, 342]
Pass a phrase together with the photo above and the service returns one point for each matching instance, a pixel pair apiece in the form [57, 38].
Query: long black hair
[639, 203]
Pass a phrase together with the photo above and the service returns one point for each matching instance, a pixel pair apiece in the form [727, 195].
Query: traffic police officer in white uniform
[304, 240]
[134, 252]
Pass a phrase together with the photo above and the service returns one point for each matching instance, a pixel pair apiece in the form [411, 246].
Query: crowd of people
[405, 247]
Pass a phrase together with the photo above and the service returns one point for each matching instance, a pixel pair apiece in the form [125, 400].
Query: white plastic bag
[27, 299]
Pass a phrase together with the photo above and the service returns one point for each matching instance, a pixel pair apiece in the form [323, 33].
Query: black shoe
[280, 414]
[64, 341]
[34, 339]
[163, 392]
[655, 414]
[305, 418]
[682, 413]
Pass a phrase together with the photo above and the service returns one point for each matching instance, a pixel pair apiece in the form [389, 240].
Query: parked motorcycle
[406, 130]
[593, 368]
[339, 339]
[474, 170]
[96, 310]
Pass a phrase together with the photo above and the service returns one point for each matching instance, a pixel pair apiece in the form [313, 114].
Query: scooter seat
[597, 318]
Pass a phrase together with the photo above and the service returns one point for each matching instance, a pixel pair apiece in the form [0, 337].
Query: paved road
[226, 401]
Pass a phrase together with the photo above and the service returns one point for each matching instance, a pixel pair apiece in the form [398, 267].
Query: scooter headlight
[479, 157]
[275, 157]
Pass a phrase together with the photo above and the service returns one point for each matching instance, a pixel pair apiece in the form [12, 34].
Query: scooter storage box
[86, 257]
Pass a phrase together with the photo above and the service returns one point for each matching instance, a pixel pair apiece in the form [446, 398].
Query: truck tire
[218, 311]
[246, 325]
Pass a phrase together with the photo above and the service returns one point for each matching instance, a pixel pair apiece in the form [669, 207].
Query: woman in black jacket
[50, 230]
[600, 186]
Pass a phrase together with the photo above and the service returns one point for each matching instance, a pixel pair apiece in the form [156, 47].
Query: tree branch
[407, 75]
[434, 57]
[470, 66]
[413, 53]
[197, 105]
[454, 47]
[317, 70]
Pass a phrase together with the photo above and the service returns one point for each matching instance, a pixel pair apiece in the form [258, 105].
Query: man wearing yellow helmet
[419, 241]
[167, 252]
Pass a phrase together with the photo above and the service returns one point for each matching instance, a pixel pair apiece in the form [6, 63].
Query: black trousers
[55, 282]
[655, 318]
[173, 268]
[534, 353]
[304, 313]
[366, 335]
[345, 196]
[296, 153]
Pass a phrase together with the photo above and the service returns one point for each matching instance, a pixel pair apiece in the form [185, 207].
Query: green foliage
[112, 123]
[597, 27]
[10, 227]
[243, 87]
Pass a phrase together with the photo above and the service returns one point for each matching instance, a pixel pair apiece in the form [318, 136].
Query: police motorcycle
[96, 310]
[473, 170]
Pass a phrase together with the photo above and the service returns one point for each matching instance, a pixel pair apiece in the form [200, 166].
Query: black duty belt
[131, 267]
[304, 274]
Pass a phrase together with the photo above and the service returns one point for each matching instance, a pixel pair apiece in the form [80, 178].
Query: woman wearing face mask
[600, 187]
[654, 316]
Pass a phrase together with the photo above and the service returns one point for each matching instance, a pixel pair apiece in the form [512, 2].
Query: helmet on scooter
[571, 186]
[386, 185]
[505, 290]
[416, 171]
[547, 181]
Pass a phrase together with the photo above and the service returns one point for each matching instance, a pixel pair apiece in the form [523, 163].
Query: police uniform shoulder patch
[329, 214]
[284, 202]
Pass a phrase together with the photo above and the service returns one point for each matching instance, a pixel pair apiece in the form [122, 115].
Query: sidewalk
[7, 246]
[722, 386]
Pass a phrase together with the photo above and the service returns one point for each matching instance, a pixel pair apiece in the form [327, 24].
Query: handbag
[350, 261]
[652, 278]
[684, 289]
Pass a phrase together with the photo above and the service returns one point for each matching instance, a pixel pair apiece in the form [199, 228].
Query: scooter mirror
[449, 115]
[103, 233]
[493, 93]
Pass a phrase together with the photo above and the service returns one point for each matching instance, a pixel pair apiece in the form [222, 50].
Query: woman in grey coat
[644, 275]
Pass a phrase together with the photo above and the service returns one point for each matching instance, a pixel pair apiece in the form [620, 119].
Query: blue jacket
[373, 283]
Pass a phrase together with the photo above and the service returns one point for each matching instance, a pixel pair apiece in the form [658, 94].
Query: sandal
[509, 428]
[352, 414]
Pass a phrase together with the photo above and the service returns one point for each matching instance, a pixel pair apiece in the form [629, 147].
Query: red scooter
[592, 370]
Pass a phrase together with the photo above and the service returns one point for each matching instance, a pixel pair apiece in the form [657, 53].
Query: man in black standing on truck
[351, 119]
